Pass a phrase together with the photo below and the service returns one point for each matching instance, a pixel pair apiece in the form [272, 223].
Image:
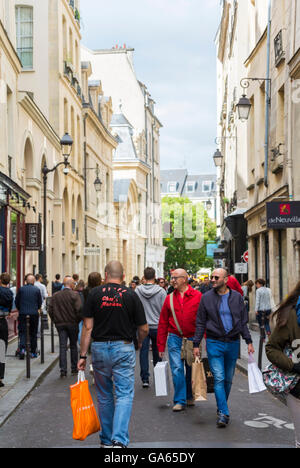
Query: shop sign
[91, 251]
[33, 236]
[283, 215]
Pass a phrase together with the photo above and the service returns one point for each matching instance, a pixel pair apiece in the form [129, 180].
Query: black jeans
[65, 333]
[144, 354]
[34, 325]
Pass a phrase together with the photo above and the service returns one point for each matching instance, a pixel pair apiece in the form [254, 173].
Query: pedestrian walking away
[112, 314]
[56, 284]
[65, 309]
[287, 335]
[223, 316]
[176, 328]
[28, 302]
[6, 303]
[152, 297]
[263, 305]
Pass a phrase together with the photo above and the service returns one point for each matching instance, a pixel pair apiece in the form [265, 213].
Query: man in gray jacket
[152, 297]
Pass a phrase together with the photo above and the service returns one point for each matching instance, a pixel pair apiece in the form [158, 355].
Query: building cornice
[256, 48]
[255, 210]
[123, 165]
[39, 119]
[100, 127]
[223, 31]
[9, 50]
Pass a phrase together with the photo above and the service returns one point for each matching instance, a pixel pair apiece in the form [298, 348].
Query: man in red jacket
[186, 301]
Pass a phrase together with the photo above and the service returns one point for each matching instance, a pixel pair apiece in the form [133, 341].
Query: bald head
[219, 279]
[181, 272]
[30, 279]
[114, 271]
[69, 282]
[180, 280]
[221, 272]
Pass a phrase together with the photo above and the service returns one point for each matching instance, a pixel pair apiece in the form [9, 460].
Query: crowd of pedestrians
[113, 322]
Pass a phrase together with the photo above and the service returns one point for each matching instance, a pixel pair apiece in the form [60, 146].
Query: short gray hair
[115, 270]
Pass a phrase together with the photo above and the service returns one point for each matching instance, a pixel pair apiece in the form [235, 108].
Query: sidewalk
[17, 386]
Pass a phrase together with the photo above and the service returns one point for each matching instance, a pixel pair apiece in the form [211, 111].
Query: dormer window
[206, 186]
[172, 187]
[190, 187]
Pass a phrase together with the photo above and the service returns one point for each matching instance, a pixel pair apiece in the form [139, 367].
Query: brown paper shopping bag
[199, 381]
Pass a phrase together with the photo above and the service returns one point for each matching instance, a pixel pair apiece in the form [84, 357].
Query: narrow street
[257, 420]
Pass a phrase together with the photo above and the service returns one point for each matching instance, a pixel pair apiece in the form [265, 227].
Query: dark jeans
[266, 314]
[144, 354]
[34, 325]
[3, 345]
[68, 332]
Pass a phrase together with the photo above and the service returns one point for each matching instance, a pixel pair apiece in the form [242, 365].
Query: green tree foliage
[186, 230]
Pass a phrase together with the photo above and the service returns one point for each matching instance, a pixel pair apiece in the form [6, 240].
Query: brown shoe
[190, 403]
[178, 408]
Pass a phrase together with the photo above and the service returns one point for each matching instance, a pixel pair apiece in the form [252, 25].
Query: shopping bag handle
[198, 360]
[81, 376]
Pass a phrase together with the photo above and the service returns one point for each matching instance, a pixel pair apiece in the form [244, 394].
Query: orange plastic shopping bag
[85, 417]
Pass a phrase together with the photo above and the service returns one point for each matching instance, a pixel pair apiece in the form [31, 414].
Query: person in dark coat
[28, 302]
[6, 302]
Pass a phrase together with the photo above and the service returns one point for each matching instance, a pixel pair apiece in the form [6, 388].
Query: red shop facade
[13, 204]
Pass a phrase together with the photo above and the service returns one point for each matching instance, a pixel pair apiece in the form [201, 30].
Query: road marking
[264, 422]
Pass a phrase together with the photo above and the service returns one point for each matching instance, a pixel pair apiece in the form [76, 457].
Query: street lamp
[208, 205]
[244, 107]
[66, 146]
[98, 183]
[218, 158]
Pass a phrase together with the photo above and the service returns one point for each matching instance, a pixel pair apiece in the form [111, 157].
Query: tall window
[24, 28]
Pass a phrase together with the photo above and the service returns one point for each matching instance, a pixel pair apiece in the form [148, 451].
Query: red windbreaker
[186, 315]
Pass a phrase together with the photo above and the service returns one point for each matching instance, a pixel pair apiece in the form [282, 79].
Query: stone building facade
[258, 41]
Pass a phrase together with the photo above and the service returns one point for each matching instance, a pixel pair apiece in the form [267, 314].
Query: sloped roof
[126, 150]
[121, 190]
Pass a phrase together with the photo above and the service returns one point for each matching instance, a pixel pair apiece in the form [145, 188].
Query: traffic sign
[246, 257]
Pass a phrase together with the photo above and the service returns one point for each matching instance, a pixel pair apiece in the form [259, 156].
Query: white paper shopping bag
[255, 377]
[161, 378]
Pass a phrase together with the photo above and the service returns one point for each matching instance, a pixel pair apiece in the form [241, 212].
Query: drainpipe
[85, 181]
[268, 96]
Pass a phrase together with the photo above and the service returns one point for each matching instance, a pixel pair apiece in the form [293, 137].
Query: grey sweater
[153, 298]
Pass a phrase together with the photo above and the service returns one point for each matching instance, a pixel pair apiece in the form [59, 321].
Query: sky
[175, 57]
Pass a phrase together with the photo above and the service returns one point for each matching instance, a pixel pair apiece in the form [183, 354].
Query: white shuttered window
[24, 28]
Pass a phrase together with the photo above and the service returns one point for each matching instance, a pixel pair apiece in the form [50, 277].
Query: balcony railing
[72, 77]
[75, 10]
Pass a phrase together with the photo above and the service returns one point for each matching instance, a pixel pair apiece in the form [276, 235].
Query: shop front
[13, 204]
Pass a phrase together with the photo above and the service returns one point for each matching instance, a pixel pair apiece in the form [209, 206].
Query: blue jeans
[182, 383]
[144, 354]
[114, 367]
[222, 360]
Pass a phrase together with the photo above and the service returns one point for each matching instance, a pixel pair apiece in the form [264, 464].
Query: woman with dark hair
[287, 335]
[94, 280]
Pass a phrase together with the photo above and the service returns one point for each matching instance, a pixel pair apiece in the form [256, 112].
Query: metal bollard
[28, 347]
[261, 341]
[52, 337]
[42, 340]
